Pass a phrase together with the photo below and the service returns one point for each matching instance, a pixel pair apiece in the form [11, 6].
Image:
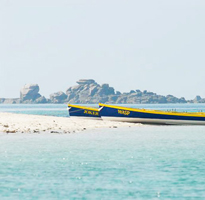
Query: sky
[149, 45]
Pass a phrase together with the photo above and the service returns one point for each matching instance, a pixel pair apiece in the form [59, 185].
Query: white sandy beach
[23, 123]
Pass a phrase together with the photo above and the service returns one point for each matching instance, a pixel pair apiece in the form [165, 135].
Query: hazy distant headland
[88, 91]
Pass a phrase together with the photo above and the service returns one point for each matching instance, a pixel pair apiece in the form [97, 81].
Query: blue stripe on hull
[114, 112]
[79, 112]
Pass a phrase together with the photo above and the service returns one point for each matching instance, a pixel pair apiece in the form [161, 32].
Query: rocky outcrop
[58, 97]
[87, 91]
[10, 100]
[41, 99]
[197, 99]
[86, 81]
[2, 100]
[30, 94]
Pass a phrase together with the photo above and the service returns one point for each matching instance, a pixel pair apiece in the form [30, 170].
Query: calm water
[145, 162]
[61, 109]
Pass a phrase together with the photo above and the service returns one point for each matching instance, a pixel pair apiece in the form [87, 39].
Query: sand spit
[23, 123]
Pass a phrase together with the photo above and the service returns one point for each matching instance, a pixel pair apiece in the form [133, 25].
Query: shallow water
[61, 109]
[145, 162]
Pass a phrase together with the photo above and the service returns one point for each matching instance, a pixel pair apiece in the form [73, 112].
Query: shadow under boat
[83, 112]
[144, 116]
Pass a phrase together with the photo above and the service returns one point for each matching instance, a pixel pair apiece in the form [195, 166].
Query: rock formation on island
[58, 97]
[197, 99]
[30, 94]
[88, 91]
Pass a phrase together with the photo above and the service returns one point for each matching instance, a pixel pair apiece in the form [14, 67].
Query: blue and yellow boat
[125, 114]
[83, 111]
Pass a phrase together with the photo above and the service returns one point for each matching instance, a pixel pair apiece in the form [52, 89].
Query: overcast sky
[153, 45]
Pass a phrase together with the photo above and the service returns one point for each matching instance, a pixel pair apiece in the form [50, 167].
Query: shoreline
[25, 123]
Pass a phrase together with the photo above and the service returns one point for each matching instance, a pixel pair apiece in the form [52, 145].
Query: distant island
[88, 91]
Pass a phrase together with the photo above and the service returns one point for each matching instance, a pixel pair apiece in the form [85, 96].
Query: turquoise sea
[145, 162]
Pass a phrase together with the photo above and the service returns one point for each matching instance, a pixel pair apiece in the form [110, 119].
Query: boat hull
[154, 121]
[123, 114]
[83, 112]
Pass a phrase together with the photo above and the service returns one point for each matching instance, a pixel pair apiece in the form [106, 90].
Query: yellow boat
[135, 115]
[83, 111]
